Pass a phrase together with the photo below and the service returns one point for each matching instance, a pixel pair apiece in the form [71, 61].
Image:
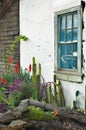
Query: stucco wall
[37, 22]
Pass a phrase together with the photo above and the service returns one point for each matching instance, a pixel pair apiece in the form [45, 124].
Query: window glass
[75, 20]
[74, 34]
[68, 56]
[68, 35]
[62, 35]
[69, 21]
[62, 22]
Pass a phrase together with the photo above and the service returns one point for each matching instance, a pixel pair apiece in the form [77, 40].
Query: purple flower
[3, 107]
[15, 85]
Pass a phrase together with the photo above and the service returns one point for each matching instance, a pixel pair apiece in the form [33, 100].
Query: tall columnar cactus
[59, 95]
[50, 94]
[39, 69]
[34, 76]
[61, 101]
[38, 77]
[55, 91]
[33, 71]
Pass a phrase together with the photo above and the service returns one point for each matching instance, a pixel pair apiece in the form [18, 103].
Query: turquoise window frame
[68, 74]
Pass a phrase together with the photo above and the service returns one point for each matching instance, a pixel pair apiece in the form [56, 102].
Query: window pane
[62, 22]
[69, 21]
[74, 34]
[68, 63]
[75, 20]
[68, 57]
[68, 35]
[69, 49]
[62, 35]
[74, 46]
[74, 63]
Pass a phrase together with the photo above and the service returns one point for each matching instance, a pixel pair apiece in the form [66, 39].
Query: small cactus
[74, 105]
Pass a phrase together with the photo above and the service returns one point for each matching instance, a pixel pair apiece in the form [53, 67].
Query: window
[68, 29]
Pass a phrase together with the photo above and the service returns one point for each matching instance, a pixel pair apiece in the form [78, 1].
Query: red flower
[16, 68]
[3, 80]
[30, 68]
[9, 60]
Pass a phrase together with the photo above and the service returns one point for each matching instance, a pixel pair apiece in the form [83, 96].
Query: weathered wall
[9, 28]
[37, 22]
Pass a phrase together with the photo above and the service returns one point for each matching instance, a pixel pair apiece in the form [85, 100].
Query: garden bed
[19, 118]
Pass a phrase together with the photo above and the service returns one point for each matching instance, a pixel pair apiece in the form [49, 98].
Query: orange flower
[55, 113]
[3, 80]
[16, 68]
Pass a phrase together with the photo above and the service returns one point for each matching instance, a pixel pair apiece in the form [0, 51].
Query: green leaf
[77, 93]
[1, 94]
[11, 100]
[3, 89]
[2, 98]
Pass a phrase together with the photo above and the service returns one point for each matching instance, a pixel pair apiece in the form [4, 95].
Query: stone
[15, 123]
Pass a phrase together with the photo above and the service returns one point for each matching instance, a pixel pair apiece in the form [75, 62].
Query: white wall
[37, 22]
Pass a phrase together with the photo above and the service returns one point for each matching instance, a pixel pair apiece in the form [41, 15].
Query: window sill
[76, 77]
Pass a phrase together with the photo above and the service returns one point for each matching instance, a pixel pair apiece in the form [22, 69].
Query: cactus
[36, 79]
[55, 91]
[33, 71]
[39, 69]
[33, 60]
[50, 95]
[61, 101]
[59, 94]
[37, 90]
[38, 82]
[74, 105]
[34, 76]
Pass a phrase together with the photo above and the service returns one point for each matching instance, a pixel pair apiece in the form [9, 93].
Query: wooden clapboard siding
[9, 29]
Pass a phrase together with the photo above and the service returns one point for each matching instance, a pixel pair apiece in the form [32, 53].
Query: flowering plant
[15, 84]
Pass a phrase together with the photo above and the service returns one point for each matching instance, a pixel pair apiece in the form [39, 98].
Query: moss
[36, 113]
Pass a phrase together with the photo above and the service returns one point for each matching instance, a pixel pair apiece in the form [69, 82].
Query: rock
[6, 117]
[17, 123]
